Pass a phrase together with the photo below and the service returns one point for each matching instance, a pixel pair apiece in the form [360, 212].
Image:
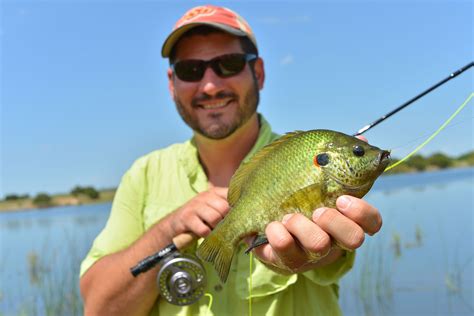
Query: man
[215, 78]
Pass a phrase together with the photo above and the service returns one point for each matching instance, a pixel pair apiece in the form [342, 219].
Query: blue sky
[84, 91]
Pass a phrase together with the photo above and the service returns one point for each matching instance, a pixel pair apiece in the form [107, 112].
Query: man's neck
[220, 158]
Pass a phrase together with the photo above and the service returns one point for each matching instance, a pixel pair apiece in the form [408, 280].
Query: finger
[210, 216]
[220, 191]
[345, 231]
[284, 246]
[309, 235]
[198, 227]
[361, 212]
[219, 204]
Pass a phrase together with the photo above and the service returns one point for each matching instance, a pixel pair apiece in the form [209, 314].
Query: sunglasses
[224, 66]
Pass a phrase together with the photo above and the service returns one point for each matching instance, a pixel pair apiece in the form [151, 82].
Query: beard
[219, 129]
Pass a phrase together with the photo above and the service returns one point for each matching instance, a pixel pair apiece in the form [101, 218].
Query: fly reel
[181, 279]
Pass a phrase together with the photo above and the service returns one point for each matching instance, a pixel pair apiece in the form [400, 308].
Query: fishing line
[433, 135]
[210, 303]
[250, 284]
[416, 140]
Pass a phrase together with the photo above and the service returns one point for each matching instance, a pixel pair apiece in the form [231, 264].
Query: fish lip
[384, 156]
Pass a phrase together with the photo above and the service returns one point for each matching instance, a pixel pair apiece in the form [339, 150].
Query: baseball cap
[218, 17]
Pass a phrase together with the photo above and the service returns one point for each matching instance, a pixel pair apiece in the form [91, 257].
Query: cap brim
[176, 34]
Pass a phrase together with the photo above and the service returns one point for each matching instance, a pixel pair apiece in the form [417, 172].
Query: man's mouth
[214, 104]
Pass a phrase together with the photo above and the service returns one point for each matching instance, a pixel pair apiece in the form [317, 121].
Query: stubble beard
[220, 129]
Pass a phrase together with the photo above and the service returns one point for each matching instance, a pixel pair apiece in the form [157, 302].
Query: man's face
[215, 107]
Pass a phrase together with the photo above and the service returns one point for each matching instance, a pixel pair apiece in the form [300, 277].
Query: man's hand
[298, 244]
[200, 214]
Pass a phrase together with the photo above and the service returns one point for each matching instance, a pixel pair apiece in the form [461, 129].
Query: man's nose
[211, 83]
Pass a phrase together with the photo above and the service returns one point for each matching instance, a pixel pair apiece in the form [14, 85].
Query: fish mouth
[384, 159]
[384, 156]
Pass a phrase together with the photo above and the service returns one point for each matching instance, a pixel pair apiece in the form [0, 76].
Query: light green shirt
[164, 180]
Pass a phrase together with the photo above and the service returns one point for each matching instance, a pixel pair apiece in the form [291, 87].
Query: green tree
[87, 191]
[418, 162]
[91, 193]
[440, 160]
[15, 197]
[42, 200]
[468, 158]
[12, 197]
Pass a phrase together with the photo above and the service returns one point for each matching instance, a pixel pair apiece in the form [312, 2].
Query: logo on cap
[195, 13]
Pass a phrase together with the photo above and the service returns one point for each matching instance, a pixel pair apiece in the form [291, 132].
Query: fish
[297, 173]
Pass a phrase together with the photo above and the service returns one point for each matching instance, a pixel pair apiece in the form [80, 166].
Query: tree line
[436, 160]
[45, 200]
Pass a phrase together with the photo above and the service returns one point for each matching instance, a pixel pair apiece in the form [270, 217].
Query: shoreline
[57, 200]
[107, 196]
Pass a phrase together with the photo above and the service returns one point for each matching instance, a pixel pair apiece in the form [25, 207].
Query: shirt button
[218, 288]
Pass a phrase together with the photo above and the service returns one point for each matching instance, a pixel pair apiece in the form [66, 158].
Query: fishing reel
[182, 278]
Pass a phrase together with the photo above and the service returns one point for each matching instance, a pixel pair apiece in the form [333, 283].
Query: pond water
[421, 263]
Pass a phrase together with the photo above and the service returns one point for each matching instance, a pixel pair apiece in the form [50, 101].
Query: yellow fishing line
[250, 284]
[210, 303]
[433, 135]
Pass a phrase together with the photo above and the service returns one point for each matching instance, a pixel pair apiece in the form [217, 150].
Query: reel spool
[181, 279]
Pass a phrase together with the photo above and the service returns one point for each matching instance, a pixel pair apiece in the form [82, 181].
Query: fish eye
[358, 151]
[322, 159]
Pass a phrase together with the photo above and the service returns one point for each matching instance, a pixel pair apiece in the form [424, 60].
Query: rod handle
[183, 240]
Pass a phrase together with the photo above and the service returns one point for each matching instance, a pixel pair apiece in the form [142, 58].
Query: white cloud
[288, 59]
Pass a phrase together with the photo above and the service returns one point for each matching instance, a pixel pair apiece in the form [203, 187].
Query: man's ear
[170, 82]
[259, 71]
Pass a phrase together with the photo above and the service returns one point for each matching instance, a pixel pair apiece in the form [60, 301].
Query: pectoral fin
[305, 200]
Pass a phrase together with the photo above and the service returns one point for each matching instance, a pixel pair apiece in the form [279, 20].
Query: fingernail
[318, 212]
[286, 218]
[343, 203]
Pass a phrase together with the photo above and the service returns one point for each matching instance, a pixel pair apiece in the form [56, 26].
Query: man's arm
[109, 288]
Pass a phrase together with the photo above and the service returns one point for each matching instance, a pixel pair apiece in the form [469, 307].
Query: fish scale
[285, 177]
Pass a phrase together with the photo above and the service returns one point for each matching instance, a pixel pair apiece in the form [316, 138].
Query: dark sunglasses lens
[189, 70]
[229, 65]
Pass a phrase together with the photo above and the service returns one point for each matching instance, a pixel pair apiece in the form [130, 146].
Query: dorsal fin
[247, 167]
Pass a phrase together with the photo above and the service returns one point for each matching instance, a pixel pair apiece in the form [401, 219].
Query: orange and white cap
[218, 17]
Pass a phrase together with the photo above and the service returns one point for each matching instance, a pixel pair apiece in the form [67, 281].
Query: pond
[420, 263]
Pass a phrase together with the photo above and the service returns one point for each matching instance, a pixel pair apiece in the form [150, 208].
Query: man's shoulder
[166, 156]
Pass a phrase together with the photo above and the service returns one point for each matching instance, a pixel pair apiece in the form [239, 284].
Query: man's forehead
[200, 46]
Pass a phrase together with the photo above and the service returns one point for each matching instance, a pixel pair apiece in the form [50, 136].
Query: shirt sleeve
[331, 273]
[125, 223]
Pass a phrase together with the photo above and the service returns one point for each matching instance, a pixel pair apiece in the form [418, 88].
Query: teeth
[214, 105]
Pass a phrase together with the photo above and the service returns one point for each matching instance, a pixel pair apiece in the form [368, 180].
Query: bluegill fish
[298, 172]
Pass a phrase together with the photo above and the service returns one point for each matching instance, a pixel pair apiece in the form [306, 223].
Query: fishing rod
[404, 105]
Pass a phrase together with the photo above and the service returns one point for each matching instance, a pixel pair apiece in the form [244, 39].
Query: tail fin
[217, 251]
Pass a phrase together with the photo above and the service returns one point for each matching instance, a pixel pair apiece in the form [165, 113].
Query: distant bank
[43, 200]
[89, 195]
